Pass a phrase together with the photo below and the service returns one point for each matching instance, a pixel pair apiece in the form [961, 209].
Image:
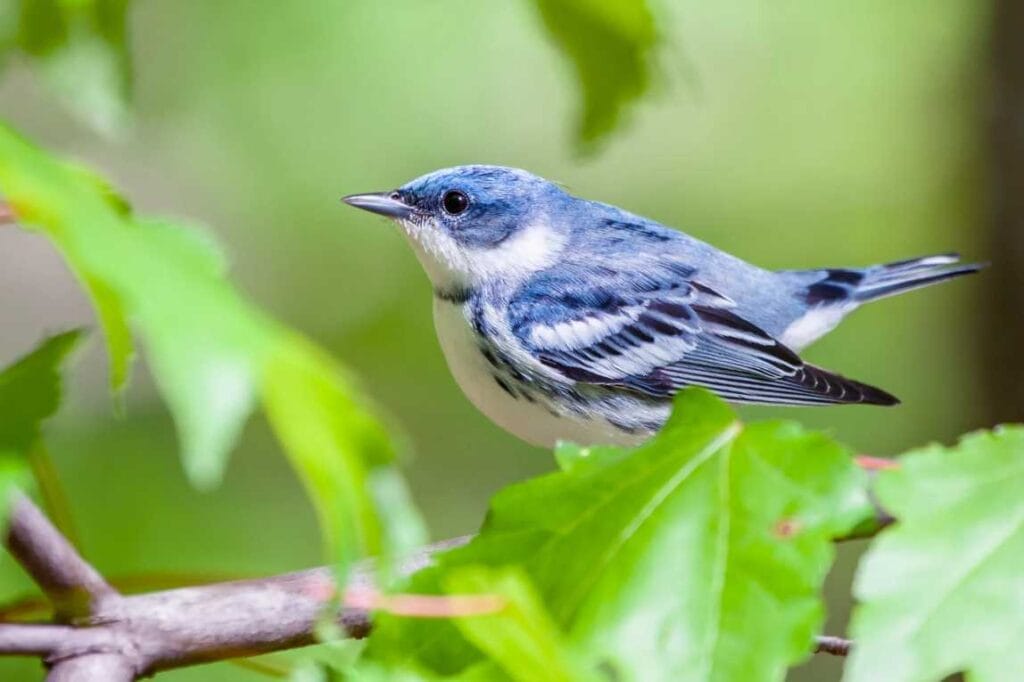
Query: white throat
[450, 264]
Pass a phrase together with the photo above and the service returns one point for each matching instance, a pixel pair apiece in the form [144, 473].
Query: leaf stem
[55, 499]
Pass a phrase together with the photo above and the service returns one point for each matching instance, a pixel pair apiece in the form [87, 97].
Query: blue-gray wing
[658, 331]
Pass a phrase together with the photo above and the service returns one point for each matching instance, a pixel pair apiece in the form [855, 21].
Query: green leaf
[669, 561]
[521, 637]
[82, 48]
[610, 44]
[329, 440]
[942, 591]
[213, 355]
[117, 334]
[30, 392]
[403, 530]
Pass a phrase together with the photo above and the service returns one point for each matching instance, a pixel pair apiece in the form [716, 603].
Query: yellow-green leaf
[609, 43]
[942, 591]
[213, 355]
[521, 637]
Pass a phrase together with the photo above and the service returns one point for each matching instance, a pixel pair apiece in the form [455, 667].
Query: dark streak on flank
[457, 294]
[504, 386]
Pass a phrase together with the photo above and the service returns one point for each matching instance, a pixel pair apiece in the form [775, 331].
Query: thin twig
[55, 499]
[74, 587]
[837, 646]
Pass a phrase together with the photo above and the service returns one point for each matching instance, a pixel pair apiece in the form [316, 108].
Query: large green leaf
[943, 590]
[30, 392]
[698, 556]
[82, 47]
[213, 355]
[520, 638]
[610, 44]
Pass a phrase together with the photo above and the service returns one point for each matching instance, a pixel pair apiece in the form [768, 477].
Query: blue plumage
[568, 318]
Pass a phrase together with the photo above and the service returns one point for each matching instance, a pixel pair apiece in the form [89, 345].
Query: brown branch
[837, 646]
[6, 214]
[172, 628]
[68, 581]
[106, 667]
[127, 637]
[36, 640]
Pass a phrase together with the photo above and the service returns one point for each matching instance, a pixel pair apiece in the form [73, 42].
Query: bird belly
[532, 415]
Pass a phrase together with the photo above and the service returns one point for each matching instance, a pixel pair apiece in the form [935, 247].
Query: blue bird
[563, 318]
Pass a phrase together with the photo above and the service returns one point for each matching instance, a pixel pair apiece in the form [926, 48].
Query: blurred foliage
[82, 47]
[30, 392]
[699, 555]
[212, 353]
[943, 591]
[610, 44]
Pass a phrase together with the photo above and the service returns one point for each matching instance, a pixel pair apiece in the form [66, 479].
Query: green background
[793, 134]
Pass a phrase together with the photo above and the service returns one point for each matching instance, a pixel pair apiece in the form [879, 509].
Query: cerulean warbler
[563, 318]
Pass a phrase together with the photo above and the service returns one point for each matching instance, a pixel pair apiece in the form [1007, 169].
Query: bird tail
[881, 281]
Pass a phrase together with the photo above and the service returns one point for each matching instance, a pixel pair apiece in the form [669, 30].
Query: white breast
[531, 421]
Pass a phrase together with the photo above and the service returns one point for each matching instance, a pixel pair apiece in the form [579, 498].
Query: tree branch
[837, 646]
[171, 628]
[34, 640]
[105, 667]
[68, 581]
[127, 637]
[6, 214]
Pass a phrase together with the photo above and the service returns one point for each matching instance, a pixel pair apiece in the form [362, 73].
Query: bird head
[470, 225]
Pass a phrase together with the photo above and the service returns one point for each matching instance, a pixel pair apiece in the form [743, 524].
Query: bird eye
[454, 202]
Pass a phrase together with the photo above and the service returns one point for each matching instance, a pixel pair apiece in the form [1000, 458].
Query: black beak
[382, 203]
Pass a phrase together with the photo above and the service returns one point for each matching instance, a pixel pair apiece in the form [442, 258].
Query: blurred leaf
[610, 44]
[30, 392]
[329, 439]
[212, 354]
[521, 638]
[374, 672]
[82, 47]
[404, 529]
[118, 336]
[942, 591]
[700, 555]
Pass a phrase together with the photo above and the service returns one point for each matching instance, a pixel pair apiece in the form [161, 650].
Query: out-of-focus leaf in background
[943, 590]
[212, 354]
[82, 46]
[609, 43]
[670, 561]
[30, 392]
